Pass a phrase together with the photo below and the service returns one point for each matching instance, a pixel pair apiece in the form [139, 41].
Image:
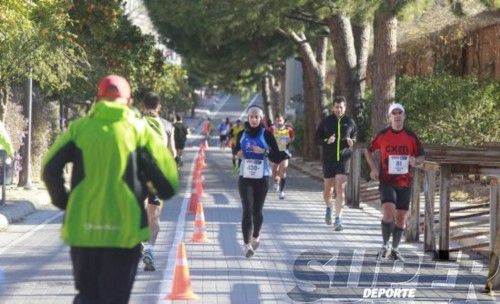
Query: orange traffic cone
[197, 174]
[193, 202]
[198, 186]
[199, 235]
[181, 284]
[204, 145]
[202, 161]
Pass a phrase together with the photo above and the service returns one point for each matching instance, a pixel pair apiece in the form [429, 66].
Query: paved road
[300, 258]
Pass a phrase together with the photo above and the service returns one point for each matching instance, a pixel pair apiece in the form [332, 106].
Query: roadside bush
[452, 110]
[298, 142]
[446, 109]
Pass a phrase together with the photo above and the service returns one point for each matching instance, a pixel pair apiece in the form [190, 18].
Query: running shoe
[255, 243]
[277, 187]
[148, 260]
[282, 195]
[383, 253]
[328, 216]
[338, 224]
[248, 250]
[396, 255]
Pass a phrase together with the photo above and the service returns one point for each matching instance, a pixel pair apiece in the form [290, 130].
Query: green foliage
[493, 4]
[410, 9]
[115, 46]
[231, 45]
[298, 142]
[452, 110]
[35, 35]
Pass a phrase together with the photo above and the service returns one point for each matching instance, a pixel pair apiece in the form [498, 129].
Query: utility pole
[29, 184]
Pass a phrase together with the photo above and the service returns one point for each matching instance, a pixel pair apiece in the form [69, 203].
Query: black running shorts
[399, 196]
[332, 168]
[281, 156]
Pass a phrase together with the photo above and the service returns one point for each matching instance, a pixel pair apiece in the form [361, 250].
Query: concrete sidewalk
[21, 203]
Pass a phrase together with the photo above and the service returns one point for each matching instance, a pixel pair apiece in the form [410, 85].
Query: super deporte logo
[356, 275]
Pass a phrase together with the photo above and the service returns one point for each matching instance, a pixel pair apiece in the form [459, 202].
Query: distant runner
[180, 137]
[233, 133]
[284, 135]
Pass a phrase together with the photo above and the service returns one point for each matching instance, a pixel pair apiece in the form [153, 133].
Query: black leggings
[253, 194]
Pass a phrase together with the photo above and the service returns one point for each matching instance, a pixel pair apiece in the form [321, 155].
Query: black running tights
[253, 194]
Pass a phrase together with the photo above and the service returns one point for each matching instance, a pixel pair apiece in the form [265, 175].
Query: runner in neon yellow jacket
[5, 143]
[114, 155]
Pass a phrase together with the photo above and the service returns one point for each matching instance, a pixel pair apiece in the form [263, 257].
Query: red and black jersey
[390, 142]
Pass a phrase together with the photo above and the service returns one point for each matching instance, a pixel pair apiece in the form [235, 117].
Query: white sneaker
[277, 187]
[255, 243]
[383, 253]
[282, 195]
[248, 249]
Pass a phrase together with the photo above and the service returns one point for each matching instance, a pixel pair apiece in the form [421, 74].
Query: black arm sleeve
[238, 138]
[319, 138]
[53, 175]
[152, 172]
[273, 145]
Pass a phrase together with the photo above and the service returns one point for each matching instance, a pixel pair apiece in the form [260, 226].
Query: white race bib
[253, 168]
[398, 164]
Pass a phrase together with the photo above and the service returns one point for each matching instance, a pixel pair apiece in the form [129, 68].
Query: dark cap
[113, 86]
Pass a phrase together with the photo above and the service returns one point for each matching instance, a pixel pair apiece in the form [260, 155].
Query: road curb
[13, 212]
[22, 203]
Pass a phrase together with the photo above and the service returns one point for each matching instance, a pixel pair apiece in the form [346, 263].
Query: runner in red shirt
[400, 149]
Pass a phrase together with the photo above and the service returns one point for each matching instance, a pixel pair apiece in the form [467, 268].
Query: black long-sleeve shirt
[343, 128]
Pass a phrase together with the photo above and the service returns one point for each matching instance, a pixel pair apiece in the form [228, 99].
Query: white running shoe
[248, 249]
[383, 253]
[255, 243]
[277, 187]
[282, 195]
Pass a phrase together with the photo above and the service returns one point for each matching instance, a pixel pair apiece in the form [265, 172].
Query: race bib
[253, 168]
[398, 164]
[223, 132]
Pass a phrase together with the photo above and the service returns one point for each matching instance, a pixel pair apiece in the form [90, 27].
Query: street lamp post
[29, 184]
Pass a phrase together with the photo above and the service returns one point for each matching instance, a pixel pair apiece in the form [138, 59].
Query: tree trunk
[347, 80]
[314, 67]
[23, 151]
[277, 82]
[195, 103]
[309, 148]
[361, 34]
[266, 96]
[384, 85]
[4, 99]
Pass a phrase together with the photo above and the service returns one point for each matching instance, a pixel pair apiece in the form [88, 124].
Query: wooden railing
[444, 161]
